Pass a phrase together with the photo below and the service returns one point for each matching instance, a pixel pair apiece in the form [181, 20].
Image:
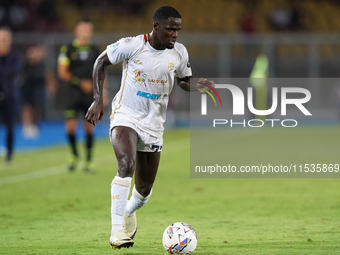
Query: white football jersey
[147, 80]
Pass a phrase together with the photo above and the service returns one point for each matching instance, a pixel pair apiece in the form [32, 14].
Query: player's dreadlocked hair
[163, 13]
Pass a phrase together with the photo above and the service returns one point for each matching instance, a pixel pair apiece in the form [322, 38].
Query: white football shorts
[146, 142]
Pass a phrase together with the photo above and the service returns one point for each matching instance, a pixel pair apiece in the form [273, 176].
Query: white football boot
[120, 239]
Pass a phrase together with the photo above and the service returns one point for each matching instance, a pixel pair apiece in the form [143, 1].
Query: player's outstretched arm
[184, 83]
[96, 110]
[202, 83]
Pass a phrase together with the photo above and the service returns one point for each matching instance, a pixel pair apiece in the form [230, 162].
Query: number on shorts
[156, 148]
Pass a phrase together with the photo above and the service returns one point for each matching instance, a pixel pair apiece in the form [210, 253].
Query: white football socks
[120, 189]
[136, 201]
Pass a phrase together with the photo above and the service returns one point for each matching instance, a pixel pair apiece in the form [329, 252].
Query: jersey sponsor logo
[171, 66]
[155, 81]
[114, 46]
[140, 77]
[148, 95]
[188, 64]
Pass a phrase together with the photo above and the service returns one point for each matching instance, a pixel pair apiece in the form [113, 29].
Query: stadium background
[223, 38]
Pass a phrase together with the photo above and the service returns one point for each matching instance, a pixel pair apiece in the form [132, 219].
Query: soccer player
[10, 68]
[150, 64]
[75, 66]
[34, 77]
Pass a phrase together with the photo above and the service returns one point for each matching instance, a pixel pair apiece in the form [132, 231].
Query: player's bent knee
[145, 190]
[126, 166]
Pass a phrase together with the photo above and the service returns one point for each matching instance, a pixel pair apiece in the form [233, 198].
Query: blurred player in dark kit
[33, 92]
[10, 68]
[75, 65]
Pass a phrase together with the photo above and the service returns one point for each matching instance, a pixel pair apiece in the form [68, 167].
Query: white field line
[34, 175]
[54, 170]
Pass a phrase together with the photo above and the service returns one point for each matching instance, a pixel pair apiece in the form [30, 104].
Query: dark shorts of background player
[76, 101]
[34, 97]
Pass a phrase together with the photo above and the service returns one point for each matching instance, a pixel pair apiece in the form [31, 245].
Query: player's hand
[204, 85]
[95, 113]
[86, 86]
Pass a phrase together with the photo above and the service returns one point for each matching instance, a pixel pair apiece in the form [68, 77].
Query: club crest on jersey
[138, 62]
[140, 77]
[171, 66]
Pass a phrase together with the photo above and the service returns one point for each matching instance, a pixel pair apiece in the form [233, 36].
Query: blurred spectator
[18, 16]
[296, 19]
[13, 14]
[249, 28]
[248, 24]
[47, 10]
[33, 91]
[10, 67]
[280, 18]
[22, 15]
[287, 18]
[122, 7]
[4, 17]
[248, 21]
[48, 15]
[136, 7]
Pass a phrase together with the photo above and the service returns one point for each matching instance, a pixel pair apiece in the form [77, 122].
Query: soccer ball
[179, 238]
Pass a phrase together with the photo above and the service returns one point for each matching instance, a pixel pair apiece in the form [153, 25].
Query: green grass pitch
[46, 210]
